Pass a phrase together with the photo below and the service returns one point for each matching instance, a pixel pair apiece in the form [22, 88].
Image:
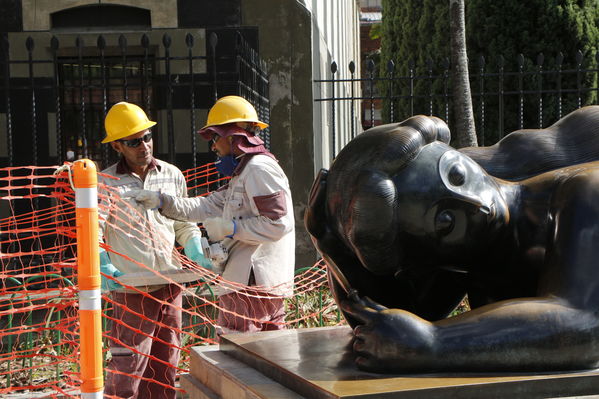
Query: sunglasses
[136, 142]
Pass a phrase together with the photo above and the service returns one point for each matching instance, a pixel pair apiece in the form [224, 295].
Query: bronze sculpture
[409, 226]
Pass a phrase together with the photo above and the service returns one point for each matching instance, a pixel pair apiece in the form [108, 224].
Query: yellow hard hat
[232, 109]
[125, 119]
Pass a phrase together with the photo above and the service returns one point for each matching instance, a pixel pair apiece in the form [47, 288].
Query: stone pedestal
[318, 363]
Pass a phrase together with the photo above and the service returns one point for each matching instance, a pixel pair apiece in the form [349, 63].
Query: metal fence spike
[189, 40]
[334, 67]
[54, 43]
[166, 40]
[122, 42]
[145, 41]
[29, 43]
[101, 42]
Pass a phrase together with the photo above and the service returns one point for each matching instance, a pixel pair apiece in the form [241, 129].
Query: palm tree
[462, 99]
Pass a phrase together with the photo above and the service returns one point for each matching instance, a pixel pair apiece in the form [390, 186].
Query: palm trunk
[462, 99]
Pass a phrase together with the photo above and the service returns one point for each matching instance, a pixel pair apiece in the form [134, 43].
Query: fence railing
[507, 94]
[56, 90]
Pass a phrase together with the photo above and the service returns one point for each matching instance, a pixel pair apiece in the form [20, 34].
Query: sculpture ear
[372, 226]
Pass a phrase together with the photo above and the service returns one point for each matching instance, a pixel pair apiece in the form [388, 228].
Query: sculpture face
[437, 208]
[448, 205]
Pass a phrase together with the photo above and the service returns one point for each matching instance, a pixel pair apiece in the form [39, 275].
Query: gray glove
[149, 199]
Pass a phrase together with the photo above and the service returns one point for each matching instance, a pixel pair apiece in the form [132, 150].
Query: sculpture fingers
[363, 341]
[366, 363]
[359, 311]
[361, 347]
[363, 335]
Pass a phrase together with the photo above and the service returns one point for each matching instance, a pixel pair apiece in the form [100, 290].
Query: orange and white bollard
[85, 181]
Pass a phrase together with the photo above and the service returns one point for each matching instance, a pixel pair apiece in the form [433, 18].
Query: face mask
[226, 165]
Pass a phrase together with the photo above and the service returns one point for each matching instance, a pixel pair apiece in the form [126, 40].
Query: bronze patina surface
[409, 226]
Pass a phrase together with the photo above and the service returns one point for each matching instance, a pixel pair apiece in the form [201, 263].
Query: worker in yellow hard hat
[233, 109]
[252, 217]
[146, 345]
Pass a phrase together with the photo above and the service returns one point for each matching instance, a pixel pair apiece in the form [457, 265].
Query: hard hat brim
[260, 124]
[137, 129]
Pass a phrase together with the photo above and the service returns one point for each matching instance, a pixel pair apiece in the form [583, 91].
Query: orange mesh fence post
[85, 181]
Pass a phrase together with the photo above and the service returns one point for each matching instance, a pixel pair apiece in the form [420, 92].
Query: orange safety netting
[39, 320]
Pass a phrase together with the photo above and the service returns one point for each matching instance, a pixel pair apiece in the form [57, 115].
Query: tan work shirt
[139, 235]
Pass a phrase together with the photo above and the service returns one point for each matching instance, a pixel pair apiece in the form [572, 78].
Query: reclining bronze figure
[410, 225]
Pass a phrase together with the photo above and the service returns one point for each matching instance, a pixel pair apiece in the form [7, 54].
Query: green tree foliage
[409, 27]
[418, 31]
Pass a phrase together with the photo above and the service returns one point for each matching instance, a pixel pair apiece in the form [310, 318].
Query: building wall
[316, 33]
[36, 16]
[288, 53]
[336, 37]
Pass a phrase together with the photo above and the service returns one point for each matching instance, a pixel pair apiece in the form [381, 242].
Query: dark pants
[250, 311]
[136, 347]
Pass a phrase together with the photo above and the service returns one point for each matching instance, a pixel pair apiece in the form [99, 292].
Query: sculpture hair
[390, 147]
[362, 199]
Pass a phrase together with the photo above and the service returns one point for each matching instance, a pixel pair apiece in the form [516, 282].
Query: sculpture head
[399, 196]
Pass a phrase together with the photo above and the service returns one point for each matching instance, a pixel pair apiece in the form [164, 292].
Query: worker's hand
[149, 199]
[110, 270]
[219, 228]
[193, 250]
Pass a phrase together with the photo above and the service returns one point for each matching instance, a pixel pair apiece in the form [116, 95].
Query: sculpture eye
[444, 222]
[457, 175]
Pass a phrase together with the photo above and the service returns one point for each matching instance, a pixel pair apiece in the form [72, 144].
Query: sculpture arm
[538, 334]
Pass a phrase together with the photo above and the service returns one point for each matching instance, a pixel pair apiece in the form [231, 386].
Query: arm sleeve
[193, 209]
[184, 230]
[268, 190]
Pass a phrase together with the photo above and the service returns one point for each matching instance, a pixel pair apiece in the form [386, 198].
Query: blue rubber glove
[108, 268]
[193, 250]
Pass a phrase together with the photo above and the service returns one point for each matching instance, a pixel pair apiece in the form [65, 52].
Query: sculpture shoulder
[578, 182]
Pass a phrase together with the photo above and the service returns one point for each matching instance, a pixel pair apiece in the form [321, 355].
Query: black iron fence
[54, 93]
[507, 94]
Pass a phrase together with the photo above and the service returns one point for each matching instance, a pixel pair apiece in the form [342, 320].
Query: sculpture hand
[390, 340]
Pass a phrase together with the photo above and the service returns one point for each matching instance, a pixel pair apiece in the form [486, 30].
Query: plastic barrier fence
[40, 343]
